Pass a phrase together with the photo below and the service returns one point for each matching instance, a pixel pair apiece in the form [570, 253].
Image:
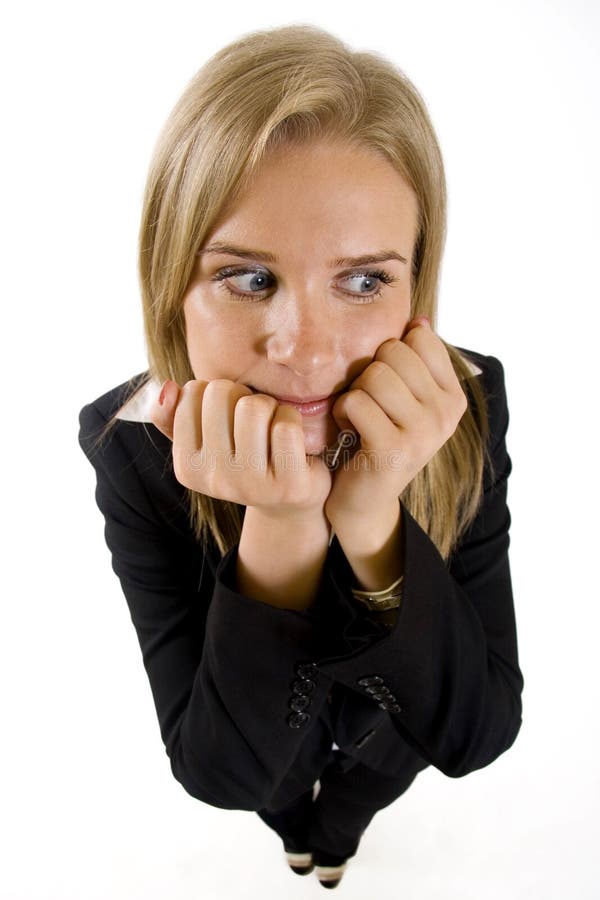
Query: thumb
[162, 412]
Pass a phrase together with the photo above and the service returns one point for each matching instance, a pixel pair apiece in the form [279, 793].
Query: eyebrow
[246, 253]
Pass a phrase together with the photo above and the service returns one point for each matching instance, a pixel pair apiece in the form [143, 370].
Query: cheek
[217, 345]
[363, 340]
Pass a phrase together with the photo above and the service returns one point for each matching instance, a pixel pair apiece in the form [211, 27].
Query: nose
[303, 335]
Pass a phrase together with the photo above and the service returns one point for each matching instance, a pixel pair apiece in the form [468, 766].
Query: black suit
[250, 697]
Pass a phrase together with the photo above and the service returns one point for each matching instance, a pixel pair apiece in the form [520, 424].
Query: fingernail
[163, 392]
[421, 320]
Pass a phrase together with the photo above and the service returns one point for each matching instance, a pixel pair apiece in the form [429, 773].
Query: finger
[399, 394]
[252, 426]
[162, 414]
[187, 428]
[357, 409]
[288, 450]
[402, 359]
[218, 412]
[430, 348]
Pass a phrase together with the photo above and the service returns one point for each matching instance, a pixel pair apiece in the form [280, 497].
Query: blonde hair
[298, 83]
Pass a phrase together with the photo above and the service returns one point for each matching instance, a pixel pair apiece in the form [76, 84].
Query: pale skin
[302, 325]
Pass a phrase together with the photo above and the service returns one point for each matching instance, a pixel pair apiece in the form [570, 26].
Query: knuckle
[356, 395]
[257, 404]
[217, 386]
[387, 350]
[411, 335]
[386, 346]
[377, 368]
[449, 424]
[448, 420]
[285, 428]
[192, 388]
[442, 416]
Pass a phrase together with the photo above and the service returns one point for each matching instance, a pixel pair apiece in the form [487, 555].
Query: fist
[235, 445]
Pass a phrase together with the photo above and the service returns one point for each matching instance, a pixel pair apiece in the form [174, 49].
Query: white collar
[137, 408]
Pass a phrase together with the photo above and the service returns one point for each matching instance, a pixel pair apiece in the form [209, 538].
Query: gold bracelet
[377, 601]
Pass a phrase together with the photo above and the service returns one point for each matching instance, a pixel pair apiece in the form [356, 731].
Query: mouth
[307, 406]
[313, 407]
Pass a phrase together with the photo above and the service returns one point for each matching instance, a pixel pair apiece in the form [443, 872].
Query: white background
[89, 807]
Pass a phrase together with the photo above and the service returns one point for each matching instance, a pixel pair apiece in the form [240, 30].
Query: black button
[370, 679]
[299, 703]
[298, 719]
[375, 689]
[390, 706]
[306, 670]
[383, 695]
[303, 686]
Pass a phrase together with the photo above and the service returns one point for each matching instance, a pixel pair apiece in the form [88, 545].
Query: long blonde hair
[298, 83]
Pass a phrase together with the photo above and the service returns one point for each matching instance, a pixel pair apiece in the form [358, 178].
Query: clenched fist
[235, 445]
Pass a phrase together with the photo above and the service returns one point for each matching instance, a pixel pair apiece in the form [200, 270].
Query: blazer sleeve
[448, 671]
[220, 664]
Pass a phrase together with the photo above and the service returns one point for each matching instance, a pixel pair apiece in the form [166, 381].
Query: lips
[285, 398]
[302, 400]
[307, 406]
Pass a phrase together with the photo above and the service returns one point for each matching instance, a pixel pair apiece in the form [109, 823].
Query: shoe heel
[330, 876]
[300, 863]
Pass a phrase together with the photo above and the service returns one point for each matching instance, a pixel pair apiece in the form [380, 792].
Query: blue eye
[370, 278]
[256, 284]
[374, 279]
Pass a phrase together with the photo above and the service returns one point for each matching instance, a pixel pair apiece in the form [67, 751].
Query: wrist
[301, 515]
[374, 549]
[366, 534]
[280, 559]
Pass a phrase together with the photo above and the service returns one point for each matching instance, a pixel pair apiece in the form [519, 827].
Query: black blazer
[249, 697]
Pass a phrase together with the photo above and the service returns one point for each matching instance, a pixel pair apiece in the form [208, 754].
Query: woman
[312, 533]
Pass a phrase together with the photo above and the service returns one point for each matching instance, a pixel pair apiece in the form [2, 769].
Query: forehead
[333, 188]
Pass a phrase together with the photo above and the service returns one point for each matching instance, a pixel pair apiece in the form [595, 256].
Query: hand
[239, 446]
[404, 406]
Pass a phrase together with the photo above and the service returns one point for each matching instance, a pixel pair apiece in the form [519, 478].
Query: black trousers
[332, 824]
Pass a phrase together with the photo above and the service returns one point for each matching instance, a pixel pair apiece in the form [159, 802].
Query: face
[278, 299]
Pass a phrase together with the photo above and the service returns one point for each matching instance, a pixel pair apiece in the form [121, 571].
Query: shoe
[300, 863]
[329, 869]
[330, 876]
